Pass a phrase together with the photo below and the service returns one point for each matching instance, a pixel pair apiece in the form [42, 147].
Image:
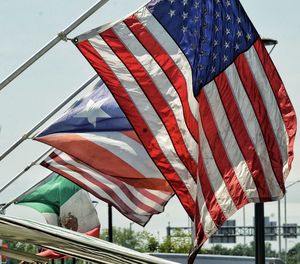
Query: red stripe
[103, 160]
[218, 151]
[162, 108]
[106, 188]
[242, 137]
[250, 86]
[128, 192]
[154, 197]
[132, 135]
[139, 191]
[142, 191]
[199, 234]
[51, 254]
[92, 154]
[211, 202]
[87, 188]
[141, 127]
[94, 232]
[133, 197]
[170, 68]
[284, 104]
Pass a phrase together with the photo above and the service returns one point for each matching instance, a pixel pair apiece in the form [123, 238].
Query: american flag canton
[210, 33]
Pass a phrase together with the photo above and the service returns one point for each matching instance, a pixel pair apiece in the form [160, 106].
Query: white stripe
[271, 105]
[146, 111]
[230, 145]
[142, 217]
[253, 128]
[161, 81]
[207, 222]
[125, 148]
[105, 180]
[145, 199]
[51, 218]
[80, 206]
[217, 183]
[169, 45]
[161, 194]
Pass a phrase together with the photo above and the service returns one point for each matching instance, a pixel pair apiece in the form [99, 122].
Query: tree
[140, 241]
[239, 250]
[22, 247]
[179, 242]
[293, 255]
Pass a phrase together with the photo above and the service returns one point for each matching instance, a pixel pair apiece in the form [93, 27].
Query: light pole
[279, 229]
[244, 225]
[285, 216]
[259, 207]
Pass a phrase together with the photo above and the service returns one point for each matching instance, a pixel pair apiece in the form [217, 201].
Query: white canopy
[71, 243]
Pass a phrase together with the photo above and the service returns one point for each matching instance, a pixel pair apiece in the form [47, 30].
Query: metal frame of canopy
[28, 257]
[71, 243]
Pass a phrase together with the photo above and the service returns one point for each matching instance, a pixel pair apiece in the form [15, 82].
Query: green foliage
[293, 255]
[140, 241]
[239, 250]
[180, 242]
[22, 247]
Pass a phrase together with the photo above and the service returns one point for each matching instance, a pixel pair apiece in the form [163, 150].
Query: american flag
[137, 204]
[97, 149]
[202, 94]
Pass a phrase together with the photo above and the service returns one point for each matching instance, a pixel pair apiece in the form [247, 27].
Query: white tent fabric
[71, 243]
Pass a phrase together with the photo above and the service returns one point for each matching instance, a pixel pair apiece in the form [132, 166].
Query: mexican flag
[63, 203]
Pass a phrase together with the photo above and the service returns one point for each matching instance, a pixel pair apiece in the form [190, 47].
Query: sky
[26, 26]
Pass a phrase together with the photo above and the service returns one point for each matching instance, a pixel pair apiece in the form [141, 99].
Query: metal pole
[61, 36]
[110, 225]
[44, 120]
[259, 234]
[285, 223]
[244, 224]
[23, 171]
[279, 229]
[4, 206]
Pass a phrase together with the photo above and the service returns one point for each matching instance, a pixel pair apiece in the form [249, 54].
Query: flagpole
[4, 206]
[60, 36]
[24, 170]
[110, 225]
[45, 119]
[259, 207]
[259, 234]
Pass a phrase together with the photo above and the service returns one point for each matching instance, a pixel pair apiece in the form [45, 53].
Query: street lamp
[270, 42]
[285, 216]
[259, 207]
[273, 43]
[95, 203]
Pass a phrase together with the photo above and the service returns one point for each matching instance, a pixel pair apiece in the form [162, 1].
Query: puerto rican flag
[97, 149]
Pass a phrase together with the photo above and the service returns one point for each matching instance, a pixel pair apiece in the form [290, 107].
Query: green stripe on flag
[50, 194]
[41, 207]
